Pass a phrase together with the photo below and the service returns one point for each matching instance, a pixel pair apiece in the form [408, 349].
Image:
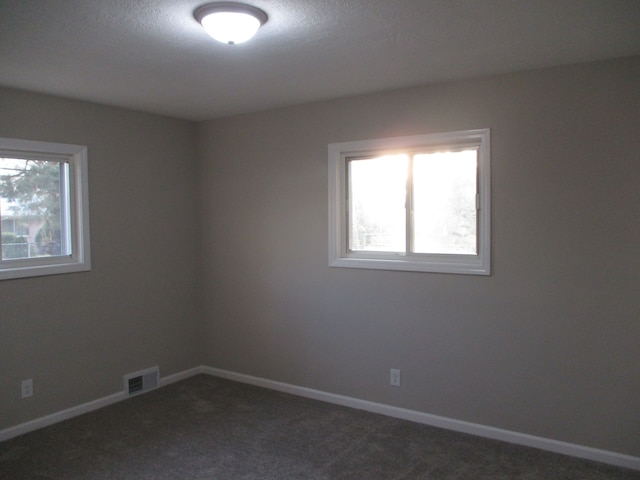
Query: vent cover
[142, 381]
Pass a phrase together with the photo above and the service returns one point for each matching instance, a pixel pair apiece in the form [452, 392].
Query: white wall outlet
[395, 377]
[27, 388]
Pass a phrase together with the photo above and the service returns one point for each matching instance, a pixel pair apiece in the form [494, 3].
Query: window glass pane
[33, 201]
[444, 203]
[377, 194]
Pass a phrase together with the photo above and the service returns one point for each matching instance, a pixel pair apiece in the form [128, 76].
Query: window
[417, 203]
[43, 208]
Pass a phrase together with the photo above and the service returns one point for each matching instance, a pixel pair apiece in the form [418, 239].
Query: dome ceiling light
[230, 22]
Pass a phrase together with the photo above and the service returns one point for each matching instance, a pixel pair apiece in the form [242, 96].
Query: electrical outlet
[395, 377]
[27, 388]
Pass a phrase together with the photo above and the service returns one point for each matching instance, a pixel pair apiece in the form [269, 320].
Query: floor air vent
[142, 381]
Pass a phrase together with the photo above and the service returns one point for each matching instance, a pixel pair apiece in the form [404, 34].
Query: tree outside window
[30, 191]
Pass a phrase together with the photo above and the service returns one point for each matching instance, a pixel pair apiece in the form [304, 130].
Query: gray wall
[548, 345]
[229, 253]
[77, 334]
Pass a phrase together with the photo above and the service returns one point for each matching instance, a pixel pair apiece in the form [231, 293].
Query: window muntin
[44, 199]
[418, 203]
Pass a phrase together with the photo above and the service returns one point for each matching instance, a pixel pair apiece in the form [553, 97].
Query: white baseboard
[176, 377]
[47, 420]
[580, 451]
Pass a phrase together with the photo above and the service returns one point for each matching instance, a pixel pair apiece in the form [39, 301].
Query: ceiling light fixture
[230, 22]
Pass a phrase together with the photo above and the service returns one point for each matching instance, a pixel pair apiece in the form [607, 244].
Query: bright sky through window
[378, 193]
[443, 201]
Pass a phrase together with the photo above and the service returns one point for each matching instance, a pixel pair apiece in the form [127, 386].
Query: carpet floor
[214, 429]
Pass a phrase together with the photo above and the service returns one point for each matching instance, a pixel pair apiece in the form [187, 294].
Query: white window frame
[78, 215]
[339, 155]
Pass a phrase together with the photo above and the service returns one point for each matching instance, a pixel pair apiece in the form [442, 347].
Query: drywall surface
[77, 334]
[547, 345]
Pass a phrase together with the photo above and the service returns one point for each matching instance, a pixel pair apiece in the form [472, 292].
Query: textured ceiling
[151, 55]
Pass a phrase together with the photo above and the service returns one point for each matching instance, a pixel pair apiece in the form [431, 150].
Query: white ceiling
[151, 55]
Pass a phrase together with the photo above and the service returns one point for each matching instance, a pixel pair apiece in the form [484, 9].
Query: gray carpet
[209, 428]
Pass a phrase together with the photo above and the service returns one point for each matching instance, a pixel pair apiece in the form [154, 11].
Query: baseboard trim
[177, 377]
[556, 446]
[47, 420]
[580, 451]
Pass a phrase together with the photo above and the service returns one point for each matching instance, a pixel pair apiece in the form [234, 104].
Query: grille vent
[142, 381]
[135, 385]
